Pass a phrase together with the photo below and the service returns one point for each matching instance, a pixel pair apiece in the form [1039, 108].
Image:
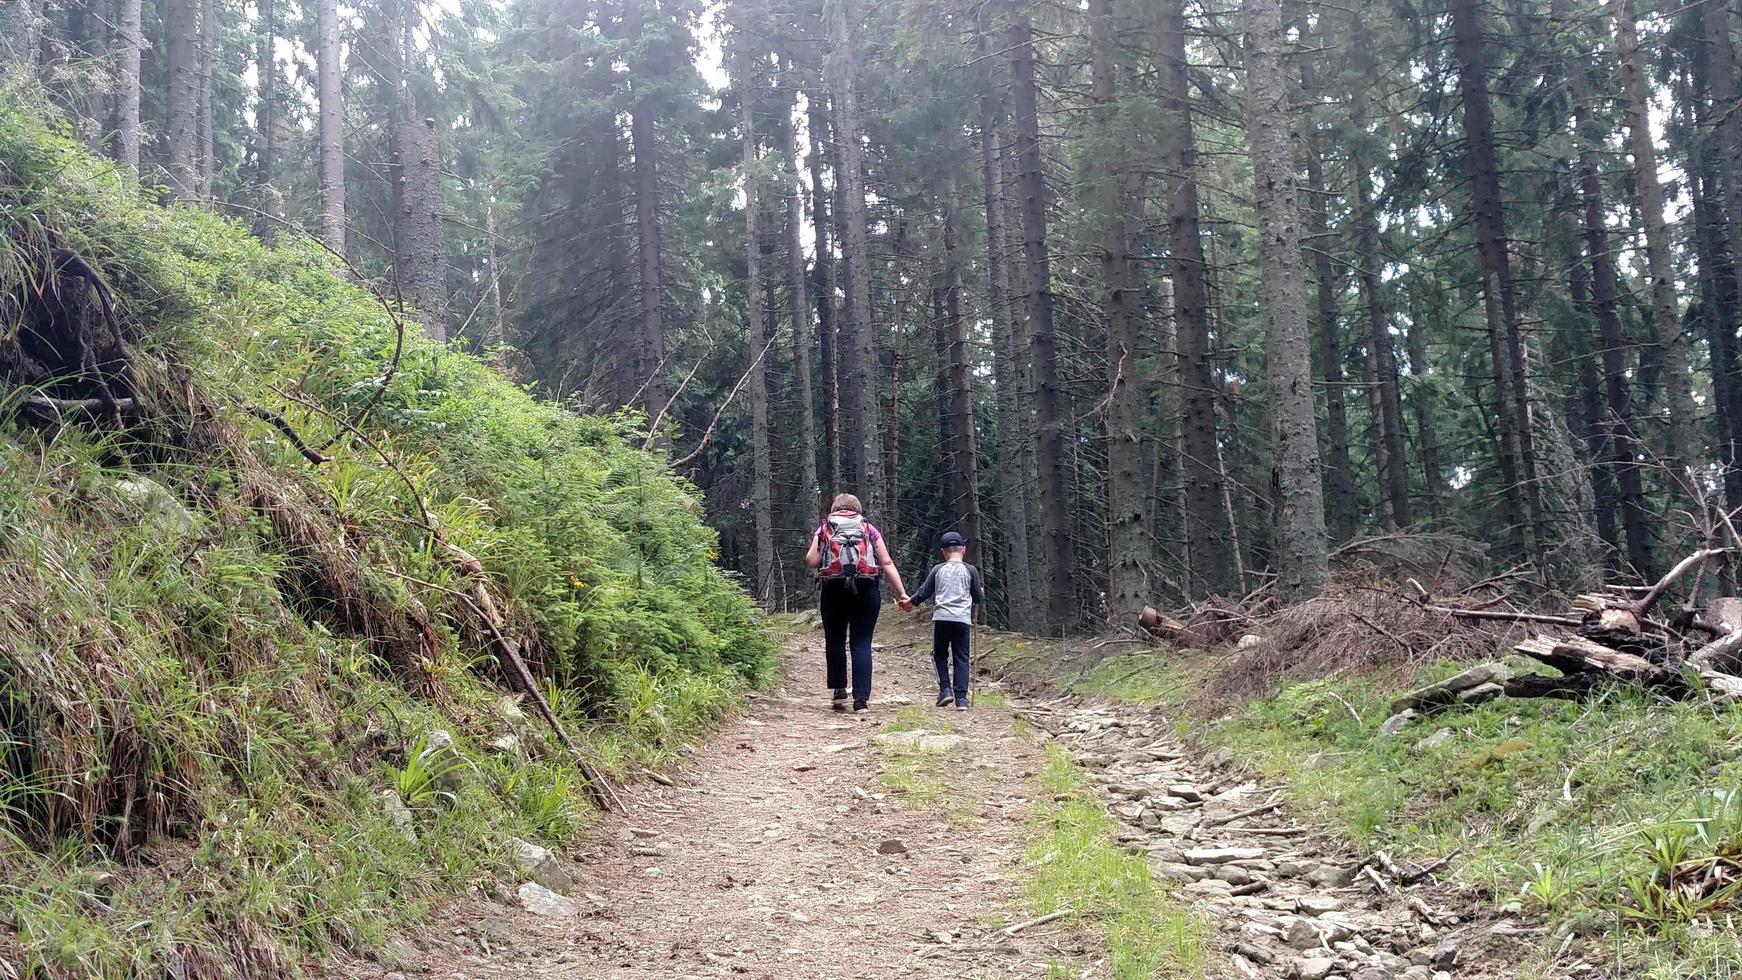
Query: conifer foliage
[1152, 300]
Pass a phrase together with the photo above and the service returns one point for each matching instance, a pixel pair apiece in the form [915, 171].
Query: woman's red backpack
[846, 549]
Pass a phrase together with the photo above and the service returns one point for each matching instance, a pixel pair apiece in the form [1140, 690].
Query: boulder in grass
[1442, 693]
[540, 865]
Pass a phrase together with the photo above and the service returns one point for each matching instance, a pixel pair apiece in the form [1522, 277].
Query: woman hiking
[850, 561]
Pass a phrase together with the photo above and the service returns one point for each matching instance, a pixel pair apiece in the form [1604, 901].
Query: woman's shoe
[945, 699]
[860, 707]
[840, 699]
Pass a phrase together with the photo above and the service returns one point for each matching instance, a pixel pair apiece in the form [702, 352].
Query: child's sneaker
[961, 705]
[944, 699]
[840, 699]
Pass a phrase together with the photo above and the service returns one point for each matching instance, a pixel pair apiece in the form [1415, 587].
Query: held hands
[905, 603]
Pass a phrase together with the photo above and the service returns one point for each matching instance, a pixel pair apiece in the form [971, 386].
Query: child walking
[953, 586]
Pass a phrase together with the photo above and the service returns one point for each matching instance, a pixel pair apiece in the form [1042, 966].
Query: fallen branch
[1681, 568]
[1012, 930]
[278, 421]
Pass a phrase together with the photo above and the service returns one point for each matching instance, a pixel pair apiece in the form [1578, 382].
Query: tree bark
[757, 332]
[1427, 442]
[1523, 491]
[1006, 353]
[858, 366]
[1050, 461]
[1388, 419]
[418, 237]
[205, 150]
[332, 126]
[1727, 136]
[798, 299]
[266, 112]
[1128, 552]
[181, 28]
[644, 144]
[129, 42]
[823, 273]
[964, 480]
[1620, 436]
[1675, 378]
[1302, 564]
[1340, 509]
[1204, 524]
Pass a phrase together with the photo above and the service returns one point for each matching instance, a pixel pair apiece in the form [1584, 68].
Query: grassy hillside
[216, 655]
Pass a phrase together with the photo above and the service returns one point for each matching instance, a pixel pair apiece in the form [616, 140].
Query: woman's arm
[814, 557]
[889, 570]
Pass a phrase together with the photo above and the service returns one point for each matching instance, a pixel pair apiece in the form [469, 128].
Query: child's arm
[977, 592]
[926, 590]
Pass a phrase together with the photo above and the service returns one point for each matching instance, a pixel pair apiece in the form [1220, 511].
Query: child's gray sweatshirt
[954, 586]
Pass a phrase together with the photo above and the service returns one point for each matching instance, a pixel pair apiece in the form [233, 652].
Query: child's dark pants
[950, 646]
[849, 613]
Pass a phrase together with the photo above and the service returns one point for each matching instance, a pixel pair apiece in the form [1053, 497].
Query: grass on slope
[215, 656]
[1596, 817]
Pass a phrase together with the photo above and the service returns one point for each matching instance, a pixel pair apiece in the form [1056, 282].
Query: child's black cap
[952, 540]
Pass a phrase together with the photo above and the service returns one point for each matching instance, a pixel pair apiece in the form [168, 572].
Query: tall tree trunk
[644, 143]
[1339, 476]
[205, 155]
[1054, 498]
[964, 480]
[1301, 560]
[1209, 567]
[798, 299]
[495, 335]
[1006, 354]
[129, 43]
[266, 112]
[1727, 109]
[1388, 420]
[1595, 434]
[1718, 306]
[1682, 448]
[332, 126]
[858, 364]
[1523, 490]
[1620, 437]
[1427, 442]
[418, 238]
[1128, 552]
[181, 29]
[757, 331]
[823, 272]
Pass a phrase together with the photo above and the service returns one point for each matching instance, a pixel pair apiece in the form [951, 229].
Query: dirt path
[782, 852]
[806, 844]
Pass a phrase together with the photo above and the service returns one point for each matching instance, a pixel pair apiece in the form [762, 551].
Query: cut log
[1723, 655]
[1725, 614]
[1724, 687]
[1573, 655]
[1166, 628]
[1575, 687]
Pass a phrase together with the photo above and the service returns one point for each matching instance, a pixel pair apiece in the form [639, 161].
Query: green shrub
[216, 655]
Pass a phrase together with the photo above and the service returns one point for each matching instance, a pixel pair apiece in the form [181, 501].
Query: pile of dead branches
[1617, 635]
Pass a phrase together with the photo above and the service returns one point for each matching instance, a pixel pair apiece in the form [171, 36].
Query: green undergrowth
[1078, 867]
[1597, 818]
[216, 656]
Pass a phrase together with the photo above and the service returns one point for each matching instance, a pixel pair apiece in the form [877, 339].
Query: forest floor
[805, 843]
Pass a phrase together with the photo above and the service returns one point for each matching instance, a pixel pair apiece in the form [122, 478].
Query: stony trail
[786, 850]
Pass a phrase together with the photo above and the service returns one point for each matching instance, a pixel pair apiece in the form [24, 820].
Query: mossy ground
[197, 724]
